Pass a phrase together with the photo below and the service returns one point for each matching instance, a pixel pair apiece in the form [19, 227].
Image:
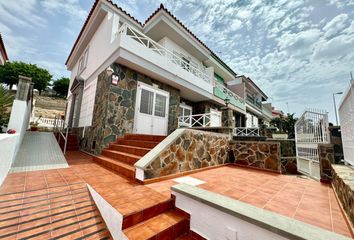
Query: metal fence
[346, 116]
[310, 130]
[246, 131]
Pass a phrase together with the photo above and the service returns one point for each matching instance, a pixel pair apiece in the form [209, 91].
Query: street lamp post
[335, 107]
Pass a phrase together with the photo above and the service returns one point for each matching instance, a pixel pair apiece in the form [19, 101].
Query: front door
[215, 118]
[151, 110]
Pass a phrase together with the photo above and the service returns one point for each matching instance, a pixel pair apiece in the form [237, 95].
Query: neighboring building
[255, 114]
[277, 113]
[163, 77]
[3, 54]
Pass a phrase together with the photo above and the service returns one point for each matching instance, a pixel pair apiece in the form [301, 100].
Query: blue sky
[298, 52]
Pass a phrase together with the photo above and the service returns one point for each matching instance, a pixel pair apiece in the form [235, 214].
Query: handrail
[63, 132]
[246, 131]
[161, 50]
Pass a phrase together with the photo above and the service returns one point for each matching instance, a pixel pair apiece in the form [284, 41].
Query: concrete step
[122, 168]
[139, 151]
[137, 143]
[144, 137]
[121, 156]
[147, 213]
[167, 225]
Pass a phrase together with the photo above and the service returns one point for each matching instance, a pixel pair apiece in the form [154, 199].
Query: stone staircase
[61, 212]
[121, 155]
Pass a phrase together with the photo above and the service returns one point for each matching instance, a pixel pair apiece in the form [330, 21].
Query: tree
[60, 86]
[285, 124]
[10, 71]
[6, 99]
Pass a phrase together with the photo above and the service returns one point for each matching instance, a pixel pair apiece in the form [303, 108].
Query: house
[3, 54]
[277, 112]
[150, 78]
[256, 112]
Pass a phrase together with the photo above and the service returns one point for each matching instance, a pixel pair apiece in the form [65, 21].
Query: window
[146, 101]
[83, 62]
[160, 105]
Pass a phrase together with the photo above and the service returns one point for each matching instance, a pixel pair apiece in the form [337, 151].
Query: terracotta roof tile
[2, 48]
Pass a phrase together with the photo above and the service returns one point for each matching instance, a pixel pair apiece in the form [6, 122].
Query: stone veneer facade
[192, 150]
[114, 108]
[326, 158]
[343, 183]
[262, 155]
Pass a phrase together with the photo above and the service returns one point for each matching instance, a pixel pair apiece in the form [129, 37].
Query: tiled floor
[127, 197]
[299, 198]
[39, 151]
[302, 199]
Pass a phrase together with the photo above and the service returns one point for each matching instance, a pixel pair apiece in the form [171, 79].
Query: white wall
[19, 119]
[8, 143]
[346, 117]
[87, 104]
[102, 44]
[212, 223]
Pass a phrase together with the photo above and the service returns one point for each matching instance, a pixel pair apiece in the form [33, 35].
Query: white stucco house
[162, 75]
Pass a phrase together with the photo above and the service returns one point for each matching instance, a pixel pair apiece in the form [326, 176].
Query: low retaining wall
[8, 145]
[343, 182]
[184, 150]
[214, 216]
[326, 158]
[261, 155]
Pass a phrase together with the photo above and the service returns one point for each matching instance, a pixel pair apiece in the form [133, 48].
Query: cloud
[335, 25]
[71, 8]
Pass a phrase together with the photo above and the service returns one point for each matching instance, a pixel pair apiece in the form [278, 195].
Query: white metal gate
[310, 130]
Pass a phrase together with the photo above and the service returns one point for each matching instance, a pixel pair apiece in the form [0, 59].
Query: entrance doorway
[151, 110]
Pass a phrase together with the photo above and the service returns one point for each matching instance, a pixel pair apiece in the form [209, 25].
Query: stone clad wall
[262, 155]
[192, 150]
[114, 108]
[326, 158]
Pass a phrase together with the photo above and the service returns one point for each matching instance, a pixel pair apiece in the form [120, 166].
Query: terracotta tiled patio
[300, 198]
[292, 196]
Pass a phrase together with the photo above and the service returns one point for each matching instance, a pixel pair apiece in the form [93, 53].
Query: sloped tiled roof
[2, 49]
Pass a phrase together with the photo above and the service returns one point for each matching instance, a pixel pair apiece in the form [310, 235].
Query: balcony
[223, 92]
[252, 100]
[163, 63]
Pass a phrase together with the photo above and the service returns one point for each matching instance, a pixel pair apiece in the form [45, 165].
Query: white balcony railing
[136, 35]
[228, 93]
[48, 122]
[245, 131]
[197, 120]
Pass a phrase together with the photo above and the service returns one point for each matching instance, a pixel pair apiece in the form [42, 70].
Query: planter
[280, 136]
[34, 128]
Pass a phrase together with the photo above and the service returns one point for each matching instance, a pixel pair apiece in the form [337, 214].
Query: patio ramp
[54, 212]
[39, 151]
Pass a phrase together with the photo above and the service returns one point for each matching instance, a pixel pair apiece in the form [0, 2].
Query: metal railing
[246, 131]
[62, 128]
[48, 122]
[196, 120]
[311, 129]
[144, 40]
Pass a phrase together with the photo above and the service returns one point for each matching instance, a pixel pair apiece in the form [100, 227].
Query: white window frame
[185, 106]
[83, 61]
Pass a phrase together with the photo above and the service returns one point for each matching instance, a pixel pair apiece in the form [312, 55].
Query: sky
[299, 52]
